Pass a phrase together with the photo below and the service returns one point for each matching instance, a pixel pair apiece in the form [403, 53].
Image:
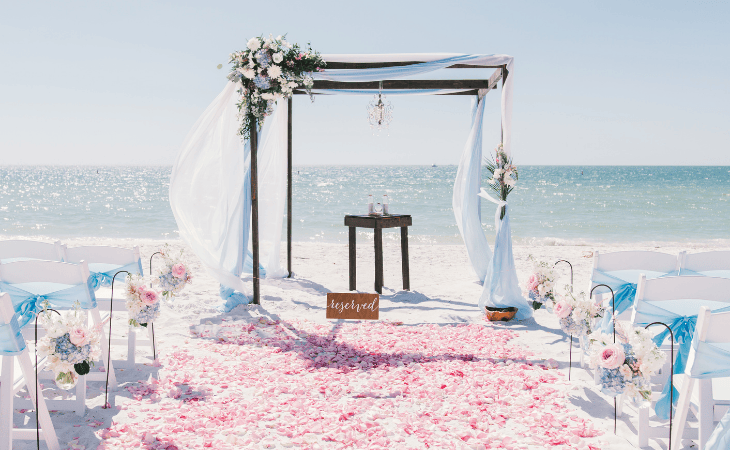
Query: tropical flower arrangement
[143, 304]
[504, 175]
[625, 367]
[70, 345]
[174, 276]
[270, 69]
[541, 285]
[577, 315]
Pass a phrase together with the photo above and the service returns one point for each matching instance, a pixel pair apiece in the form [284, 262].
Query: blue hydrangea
[148, 314]
[612, 381]
[168, 282]
[262, 82]
[68, 352]
[570, 326]
[263, 58]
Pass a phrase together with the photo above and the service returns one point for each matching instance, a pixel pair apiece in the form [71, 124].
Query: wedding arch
[216, 183]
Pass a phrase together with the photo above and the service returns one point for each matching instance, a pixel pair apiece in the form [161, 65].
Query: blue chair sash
[104, 277]
[11, 341]
[683, 327]
[27, 304]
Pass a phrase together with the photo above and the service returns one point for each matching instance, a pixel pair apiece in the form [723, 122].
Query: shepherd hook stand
[35, 350]
[570, 350]
[613, 321]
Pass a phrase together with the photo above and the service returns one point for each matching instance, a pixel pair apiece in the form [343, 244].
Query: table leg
[378, 260]
[353, 259]
[404, 258]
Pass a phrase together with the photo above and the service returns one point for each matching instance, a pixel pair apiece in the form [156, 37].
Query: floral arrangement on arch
[504, 175]
[626, 367]
[143, 304]
[70, 345]
[541, 285]
[175, 274]
[270, 69]
[577, 315]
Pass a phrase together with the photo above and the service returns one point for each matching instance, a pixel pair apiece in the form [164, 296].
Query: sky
[596, 82]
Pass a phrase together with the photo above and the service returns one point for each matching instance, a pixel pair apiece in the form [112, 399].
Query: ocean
[550, 205]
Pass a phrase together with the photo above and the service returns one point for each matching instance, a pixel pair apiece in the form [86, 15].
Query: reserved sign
[353, 306]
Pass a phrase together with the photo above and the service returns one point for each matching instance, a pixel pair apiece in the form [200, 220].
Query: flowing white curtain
[272, 159]
[465, 201]
[210, 190]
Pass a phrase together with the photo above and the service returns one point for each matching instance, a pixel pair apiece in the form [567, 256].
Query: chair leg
[706, 411]
[47, 430]
[108, 366]
[131, 346]
[643, 431]
[680, 418]
[81, 396]
[6, 403]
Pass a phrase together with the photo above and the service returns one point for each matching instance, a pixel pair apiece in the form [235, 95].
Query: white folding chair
[17, 372]
[29, 282]
[711, 264]
[705, 391]
[679, 297]
[21, 250]
[620, 271]
[104, 262]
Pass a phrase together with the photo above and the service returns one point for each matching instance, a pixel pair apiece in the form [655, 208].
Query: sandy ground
[444, 290]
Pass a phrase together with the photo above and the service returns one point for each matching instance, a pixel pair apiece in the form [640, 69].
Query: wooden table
[378, 223]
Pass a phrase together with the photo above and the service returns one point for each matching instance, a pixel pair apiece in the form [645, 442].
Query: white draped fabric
[210, 185]
[210, 190]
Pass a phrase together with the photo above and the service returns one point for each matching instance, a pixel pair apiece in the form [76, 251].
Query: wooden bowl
[501, 314]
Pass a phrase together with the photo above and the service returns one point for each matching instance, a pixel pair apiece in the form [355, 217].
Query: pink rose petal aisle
[282, 384]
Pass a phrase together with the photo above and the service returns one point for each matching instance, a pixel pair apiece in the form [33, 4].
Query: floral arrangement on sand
[625, 367]
[541, 285]
[504, 175]
[270, 69]
[70, 345]
[143, 304]
[175, 274]
[577, 315]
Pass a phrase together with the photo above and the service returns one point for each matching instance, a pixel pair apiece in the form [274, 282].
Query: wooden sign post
[353, 306]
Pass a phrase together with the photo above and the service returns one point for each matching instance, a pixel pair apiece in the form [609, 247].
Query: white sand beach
[443, 291]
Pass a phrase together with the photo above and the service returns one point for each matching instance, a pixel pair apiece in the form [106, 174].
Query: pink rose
[532, 283]
[178, 271]
[148, 297]
[562, 309]
[612, 356]
[78, 337]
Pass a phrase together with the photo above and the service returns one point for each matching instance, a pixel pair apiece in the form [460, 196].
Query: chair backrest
[705, 261]
[712, 328]
[635, 260]
[103, 254]
[38, 271]
[683, 288]
[11, 250]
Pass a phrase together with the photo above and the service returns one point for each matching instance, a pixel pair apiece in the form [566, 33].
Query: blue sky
[595, 82]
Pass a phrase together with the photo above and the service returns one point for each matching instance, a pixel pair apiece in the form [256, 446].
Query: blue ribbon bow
[27, 304]
[104, 279]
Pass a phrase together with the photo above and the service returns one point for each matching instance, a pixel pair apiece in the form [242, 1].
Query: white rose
[278, 57]
[249, 73]
[274, 71]
[253, 44]
[267, 96]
